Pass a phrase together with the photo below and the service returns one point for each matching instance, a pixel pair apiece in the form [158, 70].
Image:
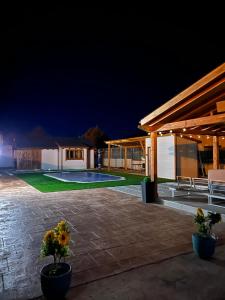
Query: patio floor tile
[111, 232]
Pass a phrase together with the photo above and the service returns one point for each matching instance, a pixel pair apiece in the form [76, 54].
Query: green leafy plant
[56, 243]
[205, 223]
[146, 179]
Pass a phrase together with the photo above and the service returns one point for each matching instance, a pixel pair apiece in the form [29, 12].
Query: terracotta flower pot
[55, 286]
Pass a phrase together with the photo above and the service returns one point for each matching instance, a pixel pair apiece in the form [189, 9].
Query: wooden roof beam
[194, 132]
[215, 119]
[127, 140]
[206, 128]
[203, 107]
[166, 110]
[216, 129]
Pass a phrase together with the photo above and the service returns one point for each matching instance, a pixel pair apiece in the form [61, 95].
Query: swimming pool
[83, 177]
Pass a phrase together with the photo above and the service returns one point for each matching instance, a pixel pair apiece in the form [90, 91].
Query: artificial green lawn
[46, 184]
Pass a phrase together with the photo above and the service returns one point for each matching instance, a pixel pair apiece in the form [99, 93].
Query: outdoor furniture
[138, 165]
[216, 190]
[200, 183]
[218, 174]
[189, 185]
[216, 185]
[183, 184]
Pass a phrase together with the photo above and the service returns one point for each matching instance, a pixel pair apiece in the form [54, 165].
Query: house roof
[50, 142]
[198, 109]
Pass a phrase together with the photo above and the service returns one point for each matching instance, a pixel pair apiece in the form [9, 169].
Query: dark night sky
[68, 69]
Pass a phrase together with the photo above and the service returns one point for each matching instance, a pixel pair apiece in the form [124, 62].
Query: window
[74, 154]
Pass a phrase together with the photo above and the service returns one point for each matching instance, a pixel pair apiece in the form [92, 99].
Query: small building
[49, 154]
[6, 154]
[176, 156]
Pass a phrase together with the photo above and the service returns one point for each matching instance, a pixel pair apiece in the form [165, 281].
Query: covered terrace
[131, 154]
[198, 112]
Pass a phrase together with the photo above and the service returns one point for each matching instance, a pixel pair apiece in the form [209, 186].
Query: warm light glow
[199, 136]
[160, 132]
[190, 136]
[181, 135]
[171, 131]
[184, 129]
[207, 137]
[223, 138]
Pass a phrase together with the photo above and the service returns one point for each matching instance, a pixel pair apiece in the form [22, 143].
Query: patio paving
[184, 277]
[112, 232]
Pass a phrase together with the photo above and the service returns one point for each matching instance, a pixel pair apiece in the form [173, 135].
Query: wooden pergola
[135, 142]
[198, 110]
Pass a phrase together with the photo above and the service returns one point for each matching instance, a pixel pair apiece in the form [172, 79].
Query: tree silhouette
[96, 136]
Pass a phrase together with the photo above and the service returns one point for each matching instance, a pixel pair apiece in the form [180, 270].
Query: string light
[207, 137]
[190, 136]
[223, 138]
[181, 135]
[199, 136]
[171, 131]
[184, 129]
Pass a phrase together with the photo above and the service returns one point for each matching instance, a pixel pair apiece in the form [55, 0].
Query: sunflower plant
[205, 223]
[56, 242]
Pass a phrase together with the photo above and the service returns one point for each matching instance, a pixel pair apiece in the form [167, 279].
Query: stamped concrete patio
[112, 233]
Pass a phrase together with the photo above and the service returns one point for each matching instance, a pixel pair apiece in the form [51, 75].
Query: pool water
[83, 177]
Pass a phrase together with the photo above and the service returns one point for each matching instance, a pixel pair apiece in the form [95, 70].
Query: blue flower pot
[56, 286]
[204, 247]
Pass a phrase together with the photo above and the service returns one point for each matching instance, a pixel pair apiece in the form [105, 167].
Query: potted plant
[56, 276]
[204, 241]
[147, 188]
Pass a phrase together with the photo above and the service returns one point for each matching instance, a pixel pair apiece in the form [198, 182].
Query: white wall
[92, 158]
[115, 162]
[6, 156]
[74, 164]
[166, 158]
[49, 159]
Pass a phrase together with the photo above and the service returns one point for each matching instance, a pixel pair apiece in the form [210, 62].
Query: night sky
[67, 69]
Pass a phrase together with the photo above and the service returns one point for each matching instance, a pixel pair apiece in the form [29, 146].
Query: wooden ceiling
[197, 110]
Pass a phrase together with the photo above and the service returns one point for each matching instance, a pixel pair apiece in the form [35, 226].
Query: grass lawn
[46, 184]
